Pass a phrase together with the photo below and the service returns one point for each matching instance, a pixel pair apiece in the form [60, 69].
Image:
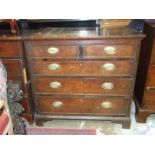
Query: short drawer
[83, 68]
[105, 51]
[54, 51]
[9, 49]
[149, 100]
[13, 67]
[85, 105]
[83, 86]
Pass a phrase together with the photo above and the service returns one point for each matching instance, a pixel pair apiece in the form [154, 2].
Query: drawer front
[149, 100]
[109, 106]
[104, 51]
[83, 68]
[77, 105]
[61, 105]
[54, 51]
[150, 96]
[150, 105]
[151, 78]
[83, 86]
[9, 49]
[13, 67]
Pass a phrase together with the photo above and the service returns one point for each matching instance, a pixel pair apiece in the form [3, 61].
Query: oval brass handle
[54, 67]
[110, 50]
[109, 67]
[106, 104]
[57, 104]
[53, 50]
[107, 85]
[55, 85]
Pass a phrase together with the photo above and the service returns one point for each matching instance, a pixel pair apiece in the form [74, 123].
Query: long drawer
[108, 51]
[100, 106]
[88, 51]
[13, 67]
[54, 51]
[83, 68]
[83, 86]
[9, 49]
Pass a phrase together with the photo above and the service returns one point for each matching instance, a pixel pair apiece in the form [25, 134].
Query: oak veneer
[85, 105]
[83, 68]
[78, 70]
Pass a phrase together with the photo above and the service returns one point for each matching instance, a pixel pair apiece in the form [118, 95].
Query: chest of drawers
[83, 78]
[145, 81]
[74, 73]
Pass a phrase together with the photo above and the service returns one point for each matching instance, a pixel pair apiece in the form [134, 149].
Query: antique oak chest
[80, 72]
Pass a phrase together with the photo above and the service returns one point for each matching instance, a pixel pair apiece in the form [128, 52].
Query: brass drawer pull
[54, 67]
[107, 85]
[53, 50]
[150, 88]
[109, 67]
[55, 85]
[106, 104]
[110, 50]
[57, 104]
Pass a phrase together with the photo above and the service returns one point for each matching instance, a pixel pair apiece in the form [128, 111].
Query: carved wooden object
[16, 109]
